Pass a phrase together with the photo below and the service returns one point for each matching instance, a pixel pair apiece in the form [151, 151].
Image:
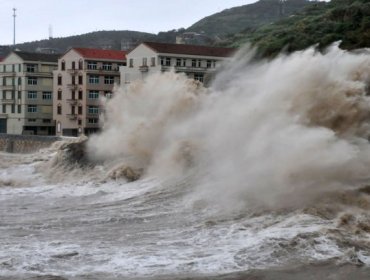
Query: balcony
[8, 87]
[93, 125]
[8, 101]
[72, 71]
[144, 68]
[72, 117]
[92, 115]
[72, 102]
[9, 74]
[72, 86]
[38, 74]
[191, 69]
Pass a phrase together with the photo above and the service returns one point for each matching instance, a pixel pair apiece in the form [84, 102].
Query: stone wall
[25, 143]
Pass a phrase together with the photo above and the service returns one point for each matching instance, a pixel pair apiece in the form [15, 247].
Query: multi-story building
[198, 62]
[26, 86]
[83, 77]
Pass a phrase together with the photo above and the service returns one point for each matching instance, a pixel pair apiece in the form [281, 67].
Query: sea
[265, 174]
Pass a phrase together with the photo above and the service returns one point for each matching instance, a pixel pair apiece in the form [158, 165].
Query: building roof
[28, 56]
[190, 49]
[101, 54]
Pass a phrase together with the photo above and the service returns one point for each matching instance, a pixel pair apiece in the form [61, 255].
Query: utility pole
[14, 15]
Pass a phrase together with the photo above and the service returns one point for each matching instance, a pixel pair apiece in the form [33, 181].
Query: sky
[35, 18]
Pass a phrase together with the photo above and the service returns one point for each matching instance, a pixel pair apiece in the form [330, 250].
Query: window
[73, 80]
[93, 94]
[59, 80]
[47, 95]
[108, 80]
[19, 81]
[31, 68]
[32, 81]
[92, 65]
[198, 77]
[108, 94]
[19, 95]
[63, 65]
[4, 109]
[73, 65]
[193, 63]
[178, 62]
[79, 122]
[13, 109]
[79, 110]
[59, 95]
[80, 94]
[145, 61]
[32, 95]
[19, 109]
[93, 121]
[93, 110]
[209, 63]
[168, 61]
[93, 79]
[19, 67]
[59, 109]
[31, 108]
[199, 63]
[131, 63]
[107, 66]
[152, 61]
[80, 80]
[80, 64]
[162, 61]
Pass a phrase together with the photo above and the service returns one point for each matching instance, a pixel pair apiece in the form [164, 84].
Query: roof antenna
[50, 32]
[14, 15]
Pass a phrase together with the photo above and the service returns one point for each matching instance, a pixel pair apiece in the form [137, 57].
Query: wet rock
[75, 153]
[131, 174]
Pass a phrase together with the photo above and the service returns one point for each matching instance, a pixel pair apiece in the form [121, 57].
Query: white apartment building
[198, 62]
[84, 76]
[26, 86]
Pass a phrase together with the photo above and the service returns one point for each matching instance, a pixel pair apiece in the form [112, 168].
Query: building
[198, 62]
[26, 86]
[83, 77]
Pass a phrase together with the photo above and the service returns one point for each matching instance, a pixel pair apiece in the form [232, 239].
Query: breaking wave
[266, 133]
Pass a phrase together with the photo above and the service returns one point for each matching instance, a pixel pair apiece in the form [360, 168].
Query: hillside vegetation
[322, 23]
[250, 16]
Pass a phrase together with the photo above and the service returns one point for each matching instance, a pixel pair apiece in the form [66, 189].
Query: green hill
[250, 16]
[323, 23]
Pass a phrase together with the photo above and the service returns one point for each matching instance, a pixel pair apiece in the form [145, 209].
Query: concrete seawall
[25, 143]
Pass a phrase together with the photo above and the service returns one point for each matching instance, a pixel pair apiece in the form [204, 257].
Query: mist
[269, 133]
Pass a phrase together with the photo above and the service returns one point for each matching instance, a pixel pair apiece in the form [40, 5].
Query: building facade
[84, 76]
[197, 62]
[26, 89]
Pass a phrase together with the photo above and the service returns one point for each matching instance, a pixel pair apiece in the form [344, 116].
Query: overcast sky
[73, 17]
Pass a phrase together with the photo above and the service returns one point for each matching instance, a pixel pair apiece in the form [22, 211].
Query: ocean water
[264, 175]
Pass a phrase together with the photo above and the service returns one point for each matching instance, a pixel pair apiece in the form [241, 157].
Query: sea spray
[270, 133]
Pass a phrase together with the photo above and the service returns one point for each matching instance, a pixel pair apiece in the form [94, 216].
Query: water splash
[266, 133]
